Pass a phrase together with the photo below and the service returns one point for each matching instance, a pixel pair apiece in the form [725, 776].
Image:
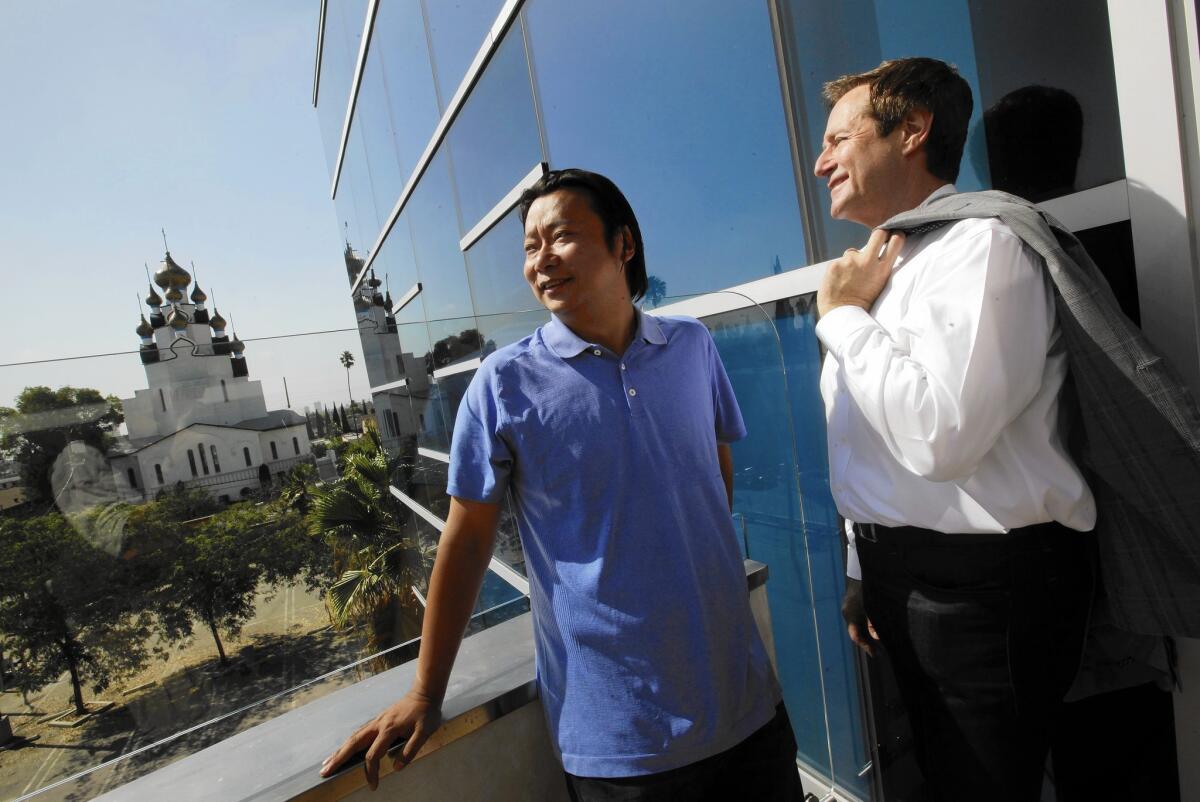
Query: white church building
[201, 421]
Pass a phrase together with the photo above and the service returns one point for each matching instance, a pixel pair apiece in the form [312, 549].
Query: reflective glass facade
[709, 116]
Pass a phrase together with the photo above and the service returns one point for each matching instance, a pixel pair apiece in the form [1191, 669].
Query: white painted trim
[406, 299]
[360, 65]
[801, 281]
[504, 19]
[389, 386]
[1098, 206]
[496, 565]
[458, 367]
[502, 208]
[440, 456]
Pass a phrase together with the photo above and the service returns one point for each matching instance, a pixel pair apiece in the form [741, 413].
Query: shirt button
[622, 366]
[596, 352]
[632, 391]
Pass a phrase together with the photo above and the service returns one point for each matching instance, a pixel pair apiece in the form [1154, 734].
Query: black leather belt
[913, 535]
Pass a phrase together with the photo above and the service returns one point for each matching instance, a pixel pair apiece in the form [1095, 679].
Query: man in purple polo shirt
[611, 430]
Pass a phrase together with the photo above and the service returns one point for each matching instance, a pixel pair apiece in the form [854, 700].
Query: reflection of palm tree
[379, 567]
[656, 290]
[347, 360]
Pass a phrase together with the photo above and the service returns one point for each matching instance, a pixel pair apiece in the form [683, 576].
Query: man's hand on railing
[412, 719]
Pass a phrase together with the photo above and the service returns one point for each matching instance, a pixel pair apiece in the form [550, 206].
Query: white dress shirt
[942, 401]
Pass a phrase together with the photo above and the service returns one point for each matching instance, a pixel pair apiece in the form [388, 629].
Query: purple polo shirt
[647, 655]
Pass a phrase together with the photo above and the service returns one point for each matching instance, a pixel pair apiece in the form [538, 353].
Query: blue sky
[124, 117]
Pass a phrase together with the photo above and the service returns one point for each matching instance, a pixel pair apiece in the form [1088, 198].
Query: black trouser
[762, 767]
[985, 635]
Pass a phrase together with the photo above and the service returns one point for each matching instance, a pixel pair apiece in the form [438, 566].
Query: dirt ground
[287, 643]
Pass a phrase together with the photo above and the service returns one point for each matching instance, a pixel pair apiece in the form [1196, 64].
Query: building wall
[709, 117]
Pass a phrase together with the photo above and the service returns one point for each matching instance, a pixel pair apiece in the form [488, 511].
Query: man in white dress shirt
[946, 452]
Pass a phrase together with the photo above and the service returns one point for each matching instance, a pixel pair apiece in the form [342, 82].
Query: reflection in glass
[343, 33]
[495, 264]
[494, 141]
[436, 232]
[457, 30]
[699, 146]
[498, 331]
[355, 202]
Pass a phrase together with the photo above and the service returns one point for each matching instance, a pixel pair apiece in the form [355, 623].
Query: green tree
[656, 290]
[68, 606]
[44, 421]
[342, 419]
[377, 562]
[347, 360]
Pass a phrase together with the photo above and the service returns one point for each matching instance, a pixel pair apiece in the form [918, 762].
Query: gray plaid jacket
[1139, 438]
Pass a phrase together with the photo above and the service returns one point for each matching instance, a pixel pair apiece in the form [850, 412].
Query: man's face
[863, 170]
[568, 263]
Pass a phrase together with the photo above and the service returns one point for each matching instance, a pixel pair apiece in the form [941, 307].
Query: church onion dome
[177, 320]
[387, 299]
[198, 296]
[170, 274]
[144, 328]
[153, 299]
[174, 295]
[237, 345]
[217, 322]
[374, 282]
[361, 304]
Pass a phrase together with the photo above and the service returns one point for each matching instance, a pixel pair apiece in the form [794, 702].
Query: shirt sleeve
[726, 412]
[480, 459]
[853, 569]
[975, 336]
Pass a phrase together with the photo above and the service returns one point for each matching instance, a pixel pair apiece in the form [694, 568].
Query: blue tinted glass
[457, 28]
[498, 331]
[436, 232]
[684, 113]
[373, 125]
[769, 509]
[494, 141]
[397, 266]
[494, 264]
[343, 33]
[355, 203]
[453, 341]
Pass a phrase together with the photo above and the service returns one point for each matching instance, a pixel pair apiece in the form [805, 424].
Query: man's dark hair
[609, 204]
[901, 85]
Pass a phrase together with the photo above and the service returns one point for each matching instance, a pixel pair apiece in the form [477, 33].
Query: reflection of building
[427, 145]
[201, 420]
[12, 492]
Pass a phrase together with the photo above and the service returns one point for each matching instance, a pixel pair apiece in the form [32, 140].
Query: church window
[132, 479]
[296, 445]
[162, 399]
[274, 451]
[224, 391]
[203, 459]
[158, 473]
[216, 461]
[246, 454]
[192, 462]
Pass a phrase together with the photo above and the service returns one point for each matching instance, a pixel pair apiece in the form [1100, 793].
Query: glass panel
[355, 201]
[495, 266]
[344, 21]
[498, 331]
[494, 141]
[771, 512]
[457, 30]
[398, 266]
[397, 105]
[1032, 140]
[684, 113]
[436, 231]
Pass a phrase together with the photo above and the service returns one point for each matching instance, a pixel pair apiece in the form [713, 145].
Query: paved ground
[287, 642]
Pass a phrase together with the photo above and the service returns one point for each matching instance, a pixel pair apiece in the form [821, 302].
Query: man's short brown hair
[901, 85]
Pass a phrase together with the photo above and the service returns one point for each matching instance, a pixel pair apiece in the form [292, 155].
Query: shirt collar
[938, 194]
[566, 343]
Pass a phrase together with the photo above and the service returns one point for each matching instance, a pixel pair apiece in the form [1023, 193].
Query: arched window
[162, 399]
[224, 391]
[158, 473]
[216, 460]
[132, 479]
[274, 451]
[296, 445]
[203, 459]
[192, 462]
[246, 454]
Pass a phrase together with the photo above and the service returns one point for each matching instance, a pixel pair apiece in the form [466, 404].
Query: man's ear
[626, 247]
[914, 130]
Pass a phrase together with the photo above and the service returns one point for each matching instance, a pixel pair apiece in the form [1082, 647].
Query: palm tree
[656, 290]
[379, 566]
[347, 360]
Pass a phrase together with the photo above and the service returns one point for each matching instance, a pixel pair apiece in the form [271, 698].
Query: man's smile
[552, 284]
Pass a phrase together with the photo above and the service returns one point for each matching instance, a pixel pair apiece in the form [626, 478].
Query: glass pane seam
[359, 68]
[497, 212]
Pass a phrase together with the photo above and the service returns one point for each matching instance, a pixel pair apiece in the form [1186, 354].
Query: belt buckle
[866, 532]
